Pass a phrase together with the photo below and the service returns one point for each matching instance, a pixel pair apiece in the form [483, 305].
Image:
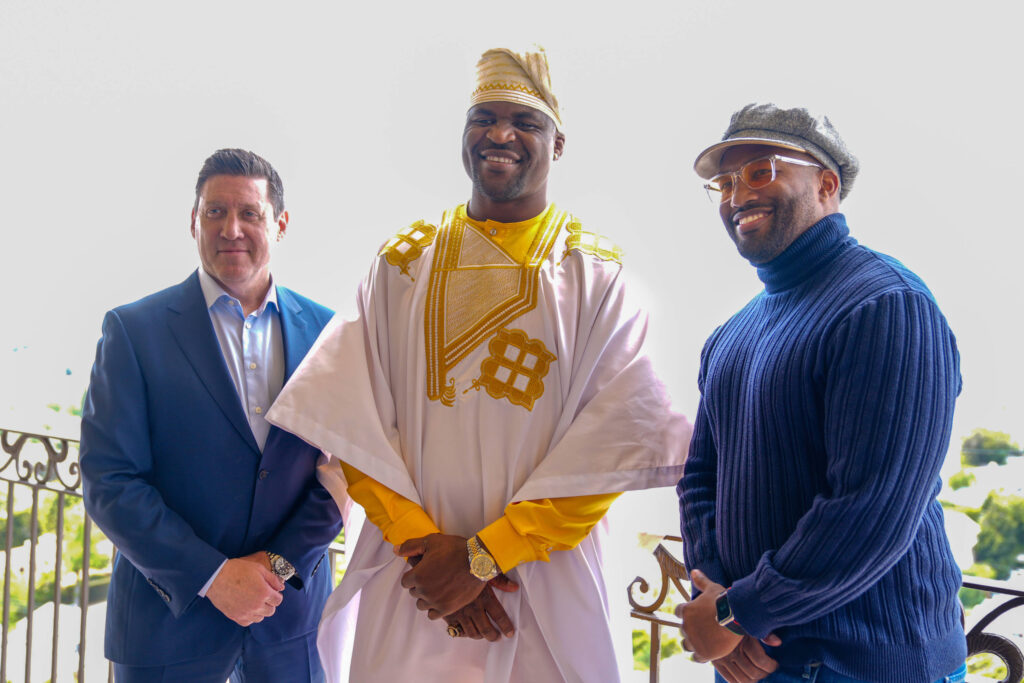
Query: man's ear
[282, 225]
[192, 224]
[828, 187]
[559, 145]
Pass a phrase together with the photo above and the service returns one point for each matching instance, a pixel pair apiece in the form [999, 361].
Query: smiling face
[507, 150]
[764, 222]
[234, 227]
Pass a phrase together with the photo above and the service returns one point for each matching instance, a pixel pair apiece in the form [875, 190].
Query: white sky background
[107, 110]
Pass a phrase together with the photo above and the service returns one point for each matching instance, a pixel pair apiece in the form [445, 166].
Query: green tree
[961, 479]
[972, 597]
[1001, 539]
[984, 446]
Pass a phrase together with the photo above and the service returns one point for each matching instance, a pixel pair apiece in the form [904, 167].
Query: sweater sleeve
[697, 496]
[891, 380]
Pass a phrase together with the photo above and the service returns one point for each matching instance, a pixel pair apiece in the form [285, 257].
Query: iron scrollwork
[981, 641]
[673, 572]
[55, 468]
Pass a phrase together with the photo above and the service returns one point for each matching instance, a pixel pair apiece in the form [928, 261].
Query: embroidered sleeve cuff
[507, 546]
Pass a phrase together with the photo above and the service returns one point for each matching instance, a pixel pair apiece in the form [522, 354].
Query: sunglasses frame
[737, 175]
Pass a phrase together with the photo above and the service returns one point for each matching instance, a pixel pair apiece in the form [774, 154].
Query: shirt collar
[213, 292]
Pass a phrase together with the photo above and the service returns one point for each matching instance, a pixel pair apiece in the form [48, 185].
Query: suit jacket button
[263, 474]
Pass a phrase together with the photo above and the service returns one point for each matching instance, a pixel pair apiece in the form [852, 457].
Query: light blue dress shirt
[253, 349]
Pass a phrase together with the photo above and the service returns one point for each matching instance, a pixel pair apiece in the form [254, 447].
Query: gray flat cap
[796, 129]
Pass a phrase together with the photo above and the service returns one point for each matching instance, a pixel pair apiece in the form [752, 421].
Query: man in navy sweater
[808, 501]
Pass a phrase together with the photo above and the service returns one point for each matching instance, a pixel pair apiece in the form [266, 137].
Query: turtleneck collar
[808, 253]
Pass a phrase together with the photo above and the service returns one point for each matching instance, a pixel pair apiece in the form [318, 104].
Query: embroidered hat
[797, 129]
[503, 75]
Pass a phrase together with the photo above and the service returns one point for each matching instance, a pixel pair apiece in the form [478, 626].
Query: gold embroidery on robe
[408, 245]
[591, 243]
[515, 369]
[475, 289]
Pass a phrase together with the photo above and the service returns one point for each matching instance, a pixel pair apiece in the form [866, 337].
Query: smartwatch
[725, 615]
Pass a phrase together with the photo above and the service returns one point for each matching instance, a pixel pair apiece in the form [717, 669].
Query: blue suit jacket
[172, 474]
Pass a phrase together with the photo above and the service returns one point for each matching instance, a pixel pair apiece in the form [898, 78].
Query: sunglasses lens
[757, 173]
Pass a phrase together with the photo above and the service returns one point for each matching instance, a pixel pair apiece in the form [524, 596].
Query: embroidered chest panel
[476, 288]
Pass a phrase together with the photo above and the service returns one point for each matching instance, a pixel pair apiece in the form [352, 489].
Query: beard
[499, 191]
[791, 216]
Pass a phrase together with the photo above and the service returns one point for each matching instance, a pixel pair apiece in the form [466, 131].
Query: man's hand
[701, 633]
[440, 581]
[475, 618]
[748, 662]
[245, 590]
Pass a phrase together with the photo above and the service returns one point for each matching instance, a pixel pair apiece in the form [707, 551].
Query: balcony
[52, 549]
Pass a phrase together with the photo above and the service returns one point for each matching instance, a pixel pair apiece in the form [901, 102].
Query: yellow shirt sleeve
[531, 529]
[398, 518]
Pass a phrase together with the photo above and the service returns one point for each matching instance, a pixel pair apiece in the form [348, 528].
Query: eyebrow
[531, 114]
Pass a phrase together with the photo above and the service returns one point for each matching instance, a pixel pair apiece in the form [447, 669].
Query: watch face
[482, 566]
[724, 612]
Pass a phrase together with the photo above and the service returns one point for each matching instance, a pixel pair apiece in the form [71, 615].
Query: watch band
[481, 563]
[280, 566]
[725, 616]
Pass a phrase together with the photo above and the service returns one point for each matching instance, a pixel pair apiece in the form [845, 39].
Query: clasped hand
[442, 585]
[739, 659]
[246, 591]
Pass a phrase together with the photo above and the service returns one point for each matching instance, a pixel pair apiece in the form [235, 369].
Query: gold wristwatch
[481, 564]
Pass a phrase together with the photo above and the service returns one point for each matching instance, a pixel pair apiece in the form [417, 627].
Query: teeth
[750, 218]
[499, 160]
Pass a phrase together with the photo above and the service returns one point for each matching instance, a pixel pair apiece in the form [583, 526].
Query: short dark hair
[241, 162]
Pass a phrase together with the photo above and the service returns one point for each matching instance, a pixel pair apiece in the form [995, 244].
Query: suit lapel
[190, 324]
[298, 332]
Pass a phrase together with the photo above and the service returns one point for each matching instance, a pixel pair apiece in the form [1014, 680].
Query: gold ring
[455, 630]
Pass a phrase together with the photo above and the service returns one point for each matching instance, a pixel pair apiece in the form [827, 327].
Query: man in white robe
[486, 406]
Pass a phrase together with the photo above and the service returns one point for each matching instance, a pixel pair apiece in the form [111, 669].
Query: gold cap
[503, 75]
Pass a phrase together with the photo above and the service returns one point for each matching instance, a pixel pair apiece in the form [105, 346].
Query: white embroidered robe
[469, 381]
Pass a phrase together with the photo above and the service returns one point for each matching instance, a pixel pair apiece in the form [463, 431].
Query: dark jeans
[814, 672]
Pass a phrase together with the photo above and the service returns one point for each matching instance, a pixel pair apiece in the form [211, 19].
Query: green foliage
[1001, 539]
[22, 523]
[961, 479]
[972, 597]
[984, 446]
[987, 666]
[642, 648]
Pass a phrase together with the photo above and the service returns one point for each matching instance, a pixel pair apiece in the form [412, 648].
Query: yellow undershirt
[529, 529]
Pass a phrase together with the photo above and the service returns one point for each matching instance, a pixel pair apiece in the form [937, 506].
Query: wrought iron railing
[979, 639]
[43, 465]
[40, 465]
[37, 466]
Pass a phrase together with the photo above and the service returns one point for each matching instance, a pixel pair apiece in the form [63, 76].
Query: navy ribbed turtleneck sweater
[810, 487]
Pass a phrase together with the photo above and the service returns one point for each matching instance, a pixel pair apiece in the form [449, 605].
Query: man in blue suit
[218, 517]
